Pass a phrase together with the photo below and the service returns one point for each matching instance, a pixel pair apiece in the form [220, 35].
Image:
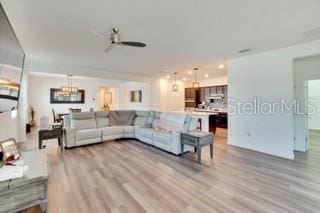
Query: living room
[108, 106]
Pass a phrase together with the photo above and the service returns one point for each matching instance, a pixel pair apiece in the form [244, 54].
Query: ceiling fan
[115, 40]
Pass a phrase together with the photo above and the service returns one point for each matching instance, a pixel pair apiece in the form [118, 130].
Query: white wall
[223, 80]
[8, 126]
[268, 76]
[314, 95]
[124, 93]
[163, 98]
[39, 93]
[22, 115]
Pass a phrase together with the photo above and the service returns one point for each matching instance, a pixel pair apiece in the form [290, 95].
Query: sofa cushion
[155, 123]
[162, 140]
[143, 121]
[85, 134]
[102, 119]
[112, 130]
[172, 121]
[121, 117]
[194, 122]
[157, 114]
[83, 120]
[143, 113]
[144, 132]
[102, 114]
[186, 124]
[128, 129]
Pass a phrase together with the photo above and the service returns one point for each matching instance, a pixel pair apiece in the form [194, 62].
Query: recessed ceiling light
[221, 66]
[184, 79]
[168, 76]
[206, 75]
[189, 72]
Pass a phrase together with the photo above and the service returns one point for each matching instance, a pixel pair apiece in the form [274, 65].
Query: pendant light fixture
[70, 89]
[175, 86]
[195, 83]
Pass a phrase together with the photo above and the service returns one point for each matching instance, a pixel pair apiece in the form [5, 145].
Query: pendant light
[70, 89]
[195, 83]
[175, 86]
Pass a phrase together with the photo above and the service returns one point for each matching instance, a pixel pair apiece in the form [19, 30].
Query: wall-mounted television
[11, 65]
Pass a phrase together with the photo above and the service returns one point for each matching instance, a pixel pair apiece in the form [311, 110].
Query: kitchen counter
[212, 111]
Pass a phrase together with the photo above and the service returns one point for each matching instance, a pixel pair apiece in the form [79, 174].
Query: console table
[31, 189]
[197, 139]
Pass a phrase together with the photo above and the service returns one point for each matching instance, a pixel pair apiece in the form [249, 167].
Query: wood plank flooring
[129, 176]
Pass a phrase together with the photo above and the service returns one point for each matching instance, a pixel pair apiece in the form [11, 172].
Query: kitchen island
[207, 120]
[210, 120]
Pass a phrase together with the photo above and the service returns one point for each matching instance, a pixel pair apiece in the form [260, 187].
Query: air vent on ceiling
[244, 51]
[313, 33]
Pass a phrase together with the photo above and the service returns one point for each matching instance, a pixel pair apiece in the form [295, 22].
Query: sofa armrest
[176, 142]
[69, 136]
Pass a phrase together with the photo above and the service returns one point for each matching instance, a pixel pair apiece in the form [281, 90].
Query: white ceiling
[180, 34]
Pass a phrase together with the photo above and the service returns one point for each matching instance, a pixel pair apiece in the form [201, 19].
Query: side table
[54, 132]
[197, 139]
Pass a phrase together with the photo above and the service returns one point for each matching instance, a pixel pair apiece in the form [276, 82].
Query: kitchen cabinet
[192, 97]
[222, 120]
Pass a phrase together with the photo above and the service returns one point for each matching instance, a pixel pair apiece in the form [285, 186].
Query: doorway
[108, 98]
[306, 86]
[313, 114]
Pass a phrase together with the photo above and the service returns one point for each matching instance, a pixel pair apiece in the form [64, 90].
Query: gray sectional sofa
[146, 126]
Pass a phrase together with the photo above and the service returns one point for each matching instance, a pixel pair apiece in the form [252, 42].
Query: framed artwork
[136, 96]
[108, 98]
[59, 97]
[10, 150]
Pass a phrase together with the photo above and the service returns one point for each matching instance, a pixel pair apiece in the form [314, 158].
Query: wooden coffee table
[197, 139]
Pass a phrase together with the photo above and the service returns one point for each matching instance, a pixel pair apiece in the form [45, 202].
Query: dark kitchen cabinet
[222, 120]
[192, 97]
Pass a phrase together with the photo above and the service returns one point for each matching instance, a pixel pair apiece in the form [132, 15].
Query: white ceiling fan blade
[109, 48]
[101, 35]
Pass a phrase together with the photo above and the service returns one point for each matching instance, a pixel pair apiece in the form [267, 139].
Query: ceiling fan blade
[109, 48]
[101, 35]
[133, 44]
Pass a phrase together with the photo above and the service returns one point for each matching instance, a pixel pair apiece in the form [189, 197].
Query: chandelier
[195, 83]
[70, 89]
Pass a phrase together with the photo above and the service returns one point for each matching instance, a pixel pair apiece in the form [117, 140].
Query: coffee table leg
[199, 154]
[211, 151]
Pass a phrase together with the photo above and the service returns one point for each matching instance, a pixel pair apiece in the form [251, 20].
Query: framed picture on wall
[57, 96]
[108, 98]
[136, 96]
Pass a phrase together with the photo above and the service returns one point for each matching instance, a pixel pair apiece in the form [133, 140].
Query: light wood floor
[129, 176]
